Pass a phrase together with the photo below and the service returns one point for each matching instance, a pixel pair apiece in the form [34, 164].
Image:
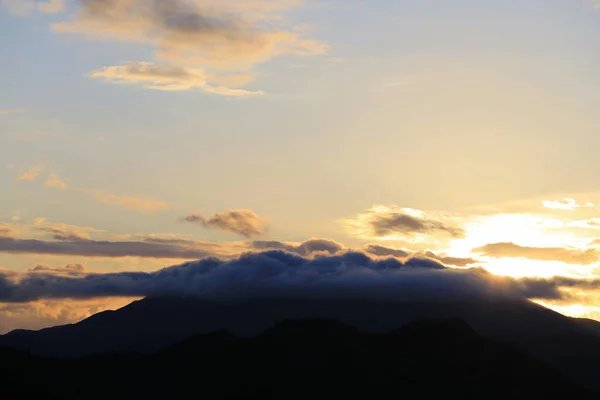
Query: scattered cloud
[171, 78]
[223, 34]
[54, 182]
[567, 204]
[130, 202]
[394, 222]
[566, 255]
[278, 273]
[30, 174]
[242, 222]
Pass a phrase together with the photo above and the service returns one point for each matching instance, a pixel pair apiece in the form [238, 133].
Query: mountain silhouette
[299, 359]
[153, 324]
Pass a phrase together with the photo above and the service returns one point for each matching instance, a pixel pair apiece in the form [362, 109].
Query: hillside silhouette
[148, 326]
[300, 359]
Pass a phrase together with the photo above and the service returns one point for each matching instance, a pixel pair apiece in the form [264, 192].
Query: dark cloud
[396, 222]
[242, 222]
[280, 273]
[95, 248]
[70, 269]
[64, 235]
[222, 34]
[512, 250]
[313, 247]
[305, 248]
[5, 230]
[378, 250]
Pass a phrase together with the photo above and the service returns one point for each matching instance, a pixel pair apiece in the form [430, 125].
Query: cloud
[72, 245]
[130, 202]
[512, 250]
[568, 204]
[65, 235]
[316, 247]
[54, 182]
[5, 230]
[277, 274]
[389, 222]
[69, 269]
[242, 222]
[224, 34]
[386, 251]
[455, 261]
[306, 248]
[30, 174]
[171, 78]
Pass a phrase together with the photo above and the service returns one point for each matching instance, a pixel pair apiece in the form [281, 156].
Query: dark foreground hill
[153, 324]
[299, 360]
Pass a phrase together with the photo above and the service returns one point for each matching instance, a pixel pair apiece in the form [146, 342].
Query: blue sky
[308, 114]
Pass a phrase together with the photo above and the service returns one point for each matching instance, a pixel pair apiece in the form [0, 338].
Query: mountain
[309, 358]
[152, 324]
[591, 325]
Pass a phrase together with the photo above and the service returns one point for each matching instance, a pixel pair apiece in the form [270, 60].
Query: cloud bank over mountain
[283, 274]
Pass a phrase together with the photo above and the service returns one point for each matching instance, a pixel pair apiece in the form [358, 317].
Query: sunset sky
[140, 134]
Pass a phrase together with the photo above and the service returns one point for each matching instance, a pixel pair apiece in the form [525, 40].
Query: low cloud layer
[279, 273]
[241, 222]
[314, 247]
[72, 244]
[512, 250]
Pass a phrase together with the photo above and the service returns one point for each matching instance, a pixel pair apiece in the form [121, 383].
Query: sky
[141, 134]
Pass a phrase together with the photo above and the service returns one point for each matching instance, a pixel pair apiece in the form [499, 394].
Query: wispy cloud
[77, 246]
[512, 250]
[242, 222]
[54, 182]
[170, 78]
[567, 204]
[29, 175]
[130, 202]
